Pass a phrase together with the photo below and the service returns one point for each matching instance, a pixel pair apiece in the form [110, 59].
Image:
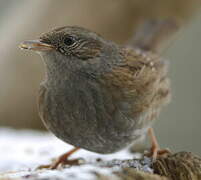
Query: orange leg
[155, 150]
[63, 159]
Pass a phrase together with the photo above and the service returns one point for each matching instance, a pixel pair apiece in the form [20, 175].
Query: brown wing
[141, 79]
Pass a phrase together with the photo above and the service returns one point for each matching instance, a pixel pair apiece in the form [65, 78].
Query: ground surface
[22, 151]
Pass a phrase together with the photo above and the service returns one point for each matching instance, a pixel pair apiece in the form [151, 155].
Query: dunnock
[98, 95]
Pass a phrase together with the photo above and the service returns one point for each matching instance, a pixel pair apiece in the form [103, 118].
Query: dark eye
[68, 40]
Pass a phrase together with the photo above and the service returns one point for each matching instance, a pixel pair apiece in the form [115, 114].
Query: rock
[179, 166]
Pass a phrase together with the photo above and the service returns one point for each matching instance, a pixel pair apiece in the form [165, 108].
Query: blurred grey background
[179, 124]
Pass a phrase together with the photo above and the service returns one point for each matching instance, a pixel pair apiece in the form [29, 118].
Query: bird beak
[36, 45]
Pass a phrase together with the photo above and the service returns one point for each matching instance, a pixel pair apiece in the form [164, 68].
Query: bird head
[72, 48]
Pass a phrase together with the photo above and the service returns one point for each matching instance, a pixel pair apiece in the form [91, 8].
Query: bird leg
[155, 150]
[63, 159]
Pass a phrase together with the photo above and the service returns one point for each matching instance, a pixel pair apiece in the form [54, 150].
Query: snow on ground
[21, 151]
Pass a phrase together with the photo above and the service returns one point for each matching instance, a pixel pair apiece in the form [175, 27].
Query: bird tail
[151, 34]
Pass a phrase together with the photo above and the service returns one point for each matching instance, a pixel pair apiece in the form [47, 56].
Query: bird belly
[82, 123]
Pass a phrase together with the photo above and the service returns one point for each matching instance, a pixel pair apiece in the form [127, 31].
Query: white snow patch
[21, 151]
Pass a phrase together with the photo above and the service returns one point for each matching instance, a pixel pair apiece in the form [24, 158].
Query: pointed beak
[36, 45]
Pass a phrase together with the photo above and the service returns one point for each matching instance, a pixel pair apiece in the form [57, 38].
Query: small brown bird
[98, 95]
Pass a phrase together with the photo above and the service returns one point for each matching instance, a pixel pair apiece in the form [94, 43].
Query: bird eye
[68, 41]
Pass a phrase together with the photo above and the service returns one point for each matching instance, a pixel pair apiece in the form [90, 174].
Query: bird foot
[156, 152]
[62, 160]
[58, 163]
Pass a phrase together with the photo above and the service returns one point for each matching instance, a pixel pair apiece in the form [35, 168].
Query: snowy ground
[22, 151]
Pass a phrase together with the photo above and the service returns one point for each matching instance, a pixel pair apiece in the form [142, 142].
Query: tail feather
[153, 33]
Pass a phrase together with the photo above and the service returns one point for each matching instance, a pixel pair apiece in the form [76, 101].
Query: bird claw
[58, 163]
[62, 160]
[156, 152]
